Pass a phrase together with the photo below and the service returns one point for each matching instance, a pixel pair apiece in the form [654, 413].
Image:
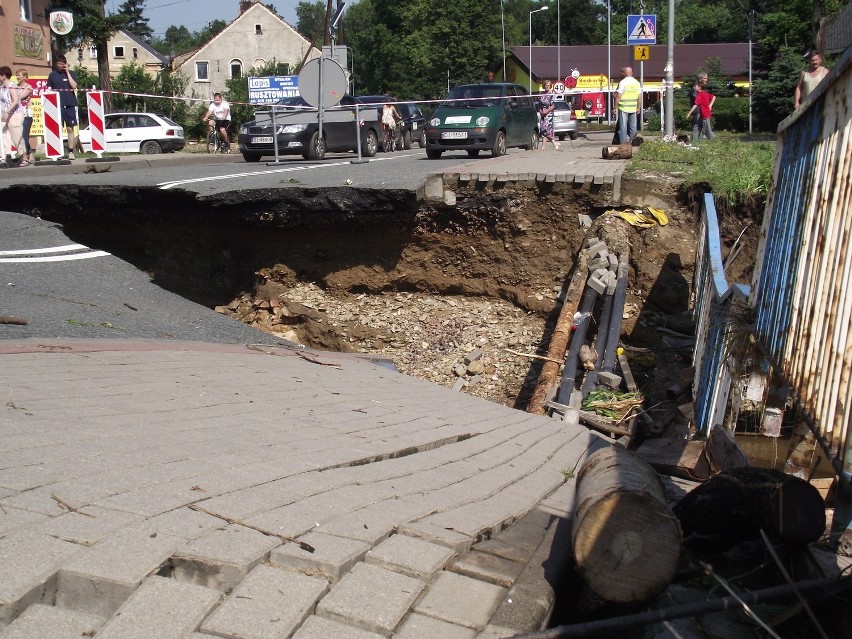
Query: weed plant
[733, 168]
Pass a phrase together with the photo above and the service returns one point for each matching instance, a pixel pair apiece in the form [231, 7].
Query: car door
[114, 132]
[147, 128]
[515, 133]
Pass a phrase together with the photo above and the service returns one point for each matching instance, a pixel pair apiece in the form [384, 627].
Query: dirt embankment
[482, 281]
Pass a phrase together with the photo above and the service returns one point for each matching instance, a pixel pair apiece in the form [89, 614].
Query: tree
[136, 22]
[132, 79]
[310, 21]
[91, 25]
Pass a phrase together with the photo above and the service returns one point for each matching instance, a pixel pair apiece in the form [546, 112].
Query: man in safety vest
[627, 101]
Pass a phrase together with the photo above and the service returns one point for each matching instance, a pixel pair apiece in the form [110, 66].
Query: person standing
[220, 112]
[26, 92]
[627, 103]
[489, 77]
[545, 108]
[12, 116]
[63, 80]
[809, 78]
[700, 83]
[704, 105]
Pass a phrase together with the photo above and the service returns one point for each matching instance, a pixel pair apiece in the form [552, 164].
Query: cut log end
[617, 152]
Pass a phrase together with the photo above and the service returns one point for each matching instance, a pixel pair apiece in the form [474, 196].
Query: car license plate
[263, 139]
[453, 135]
[414, 126]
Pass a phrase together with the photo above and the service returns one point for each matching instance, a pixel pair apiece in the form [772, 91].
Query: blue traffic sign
[642, 29]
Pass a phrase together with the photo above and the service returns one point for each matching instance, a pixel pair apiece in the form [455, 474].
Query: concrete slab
[269, 603]
[321, 628]
[371, 598]
[410, 556]
[461, 600]
[416, 626]
[332, 558]
[49, 621]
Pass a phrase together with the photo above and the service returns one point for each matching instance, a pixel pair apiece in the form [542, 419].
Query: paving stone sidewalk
[155, 489]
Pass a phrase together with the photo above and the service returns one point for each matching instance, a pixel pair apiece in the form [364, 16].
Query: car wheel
[573, 135]
[316, 149]
[371, 144]
[561, 137]
[251, 157]
[433, 154]
[406, 140]
[533, 142]
[151, 148]
[499, 147]
[421, 139]
[473, 153]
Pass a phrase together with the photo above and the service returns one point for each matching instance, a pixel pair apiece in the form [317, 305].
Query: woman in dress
[545, 113]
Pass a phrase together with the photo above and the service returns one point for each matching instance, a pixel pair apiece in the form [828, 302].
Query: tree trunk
[103, 75]
[618, 152]
[736, 504]
[626, 541]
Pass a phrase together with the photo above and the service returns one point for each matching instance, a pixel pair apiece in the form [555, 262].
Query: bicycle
[392, 137]
[215, 143]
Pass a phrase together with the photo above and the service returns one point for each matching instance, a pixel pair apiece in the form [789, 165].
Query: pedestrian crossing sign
[641, 52]
[642, 29]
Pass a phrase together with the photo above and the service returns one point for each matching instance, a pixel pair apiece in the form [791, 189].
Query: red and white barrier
[52, 122]
[95, 102]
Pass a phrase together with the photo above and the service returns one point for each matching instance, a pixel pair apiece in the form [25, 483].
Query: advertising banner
[271, 89]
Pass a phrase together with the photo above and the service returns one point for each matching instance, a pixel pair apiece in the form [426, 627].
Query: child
[704, 103]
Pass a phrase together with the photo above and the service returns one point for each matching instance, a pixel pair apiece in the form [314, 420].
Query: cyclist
[390, 120]
[219, 116]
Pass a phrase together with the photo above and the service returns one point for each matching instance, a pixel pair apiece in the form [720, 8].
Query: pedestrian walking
[544, 106]
[704, 106]
[627, 104]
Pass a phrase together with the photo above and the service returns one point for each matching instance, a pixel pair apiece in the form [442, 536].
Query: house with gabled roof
[123, 48]
[256, 37]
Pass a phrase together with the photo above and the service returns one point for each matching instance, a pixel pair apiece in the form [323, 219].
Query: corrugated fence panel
[802, 292]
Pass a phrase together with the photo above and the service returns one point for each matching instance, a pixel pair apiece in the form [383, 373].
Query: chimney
[245, 5]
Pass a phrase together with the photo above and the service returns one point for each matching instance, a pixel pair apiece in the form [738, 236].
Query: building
[256, 37]
[25, 36]
[123, 48]
[597, 62]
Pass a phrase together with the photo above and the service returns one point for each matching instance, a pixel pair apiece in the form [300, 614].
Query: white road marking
[168, 185]
[52, 249]
[72, 252]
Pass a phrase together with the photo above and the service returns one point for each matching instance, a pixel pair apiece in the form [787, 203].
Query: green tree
[137, 23]
[132, 79]
[310, 21]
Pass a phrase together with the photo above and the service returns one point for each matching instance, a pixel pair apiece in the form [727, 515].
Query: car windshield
[475, 96]
[168, 121]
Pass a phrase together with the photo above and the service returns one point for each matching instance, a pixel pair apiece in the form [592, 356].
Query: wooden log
[617, 152]
[626, 541]
[736, 504]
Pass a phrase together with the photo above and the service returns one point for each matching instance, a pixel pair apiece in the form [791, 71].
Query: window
[202, 71]
[258, 29]
[26, 10]
[236, 68]
[93, 52]
[118, 51]
[135, 53]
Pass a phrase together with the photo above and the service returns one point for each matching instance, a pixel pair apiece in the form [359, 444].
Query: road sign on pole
[641, 52]
[642, 29]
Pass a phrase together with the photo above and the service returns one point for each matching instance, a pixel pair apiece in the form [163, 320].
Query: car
[483, 117]
[147, 133]
[297, 129]
[564, 120]
[413, 120]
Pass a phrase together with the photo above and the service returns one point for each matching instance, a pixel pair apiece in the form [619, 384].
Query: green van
[477, 117]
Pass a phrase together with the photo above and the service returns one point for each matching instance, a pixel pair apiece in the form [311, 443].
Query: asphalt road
[62, 289]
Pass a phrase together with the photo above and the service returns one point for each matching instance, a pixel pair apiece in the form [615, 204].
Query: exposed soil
[486, 274]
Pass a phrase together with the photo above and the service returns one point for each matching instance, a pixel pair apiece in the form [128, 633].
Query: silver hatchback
[564, 120]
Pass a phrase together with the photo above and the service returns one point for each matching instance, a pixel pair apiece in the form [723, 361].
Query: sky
[196, 14]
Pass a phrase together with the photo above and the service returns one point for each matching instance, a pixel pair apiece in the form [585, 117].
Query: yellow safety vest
[629, 100]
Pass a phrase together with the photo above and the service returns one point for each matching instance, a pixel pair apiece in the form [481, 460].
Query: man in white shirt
[219, 116]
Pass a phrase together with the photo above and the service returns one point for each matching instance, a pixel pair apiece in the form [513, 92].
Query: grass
[732, 167]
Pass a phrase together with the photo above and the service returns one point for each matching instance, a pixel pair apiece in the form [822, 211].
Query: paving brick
[332, 557]
[16, 518]
[321, 628]
[461, 600]
[41, 621]
[437, 534]
[372, 598]
[76, 527]
[28, 566]
[222, 558]
[416, 626]
[269, 603]
[101, 578]
[375, 522]
[410, 556]
[519, 541]
[162, 608]
[486, 567]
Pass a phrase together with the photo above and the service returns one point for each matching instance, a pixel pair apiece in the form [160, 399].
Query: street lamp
[503, 26]
[544, 8]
